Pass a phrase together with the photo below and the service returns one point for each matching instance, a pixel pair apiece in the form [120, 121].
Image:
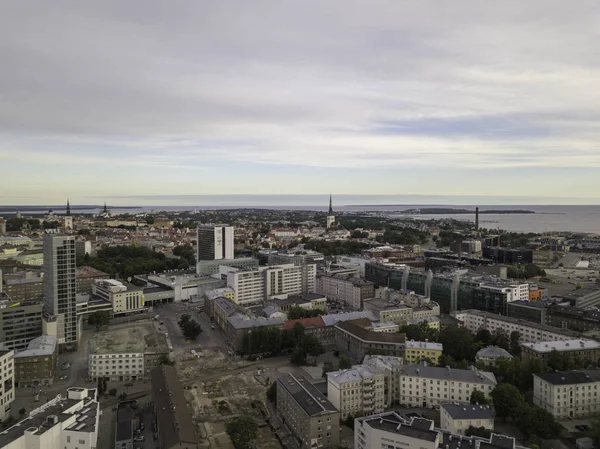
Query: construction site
[219, 387]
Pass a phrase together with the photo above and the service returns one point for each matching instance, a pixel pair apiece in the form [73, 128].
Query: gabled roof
[316, 321]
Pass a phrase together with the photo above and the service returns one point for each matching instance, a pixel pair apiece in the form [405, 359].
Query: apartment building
[7, 382]
[474, 320]
[419, 351]
[68, 421]
[567, 394]
[428, 386]
[346, 289]
[402, 313]
[37, 364]
[125, 297]
[391, 430]
[360, 389]
[354, 339]
[20, 322]
[457, 418]
[115, 360]
[312, 419]
[583, 349]
[388, 327]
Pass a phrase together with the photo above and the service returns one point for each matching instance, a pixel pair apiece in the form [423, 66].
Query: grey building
[27, 288]
[355, 341]
[534, 311]
[311, 418]
[584, 297]
[60, 286]
[20, 322]
[211, 267]
[572, 318]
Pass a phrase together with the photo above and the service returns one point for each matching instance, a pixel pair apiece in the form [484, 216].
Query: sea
[547, 218]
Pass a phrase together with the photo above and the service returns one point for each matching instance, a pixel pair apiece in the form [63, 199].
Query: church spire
[105, 209]
[330, 205]
[68, 208]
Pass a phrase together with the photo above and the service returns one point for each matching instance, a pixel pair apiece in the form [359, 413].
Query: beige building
[37, 364]
[124, 297]
[457, 418]
[114, 358]
[567, 394]
[360, 389]
[419, 351]
[588, 350]
[346, 289]
[312, 419]
[7, 383]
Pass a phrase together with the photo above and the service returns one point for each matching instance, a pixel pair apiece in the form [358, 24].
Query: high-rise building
[215, 242]
[60, 286]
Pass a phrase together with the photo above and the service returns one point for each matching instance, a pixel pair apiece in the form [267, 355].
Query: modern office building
[391, 430]
[358, 390]
[20, 322]
[37, 364]
[174, 424]
[584, 350]
[534, 311]
[125, 297]
[312, 419]
[573, 318]
[60, 286]
[7, 383]
[68, 421]
[215, 242]
[348, 290]
[567, 394]
[457, 418]
[508, 255]
[474, 320]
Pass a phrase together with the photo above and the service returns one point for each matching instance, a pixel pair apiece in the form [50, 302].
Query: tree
[327, 368]
[242, 430]
[458, 342]
[345, 362]
[500, 338]
[99, 319]
[296, 313]
[165, 360]
[298, 357]
[478, 432]
[478, 397]
[112, 391]
[101, 385]
[515, 343]
[484, 336]
[272, 393]
[123, 396]
[189, 327]
[506, 398]
[312, 346]
[22, 411]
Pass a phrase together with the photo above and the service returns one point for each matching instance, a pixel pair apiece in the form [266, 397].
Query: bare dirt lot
[217, 389]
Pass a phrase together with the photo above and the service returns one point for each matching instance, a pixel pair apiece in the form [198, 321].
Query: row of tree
[296, 313]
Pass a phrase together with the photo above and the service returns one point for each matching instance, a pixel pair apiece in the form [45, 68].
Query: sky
[118, 101]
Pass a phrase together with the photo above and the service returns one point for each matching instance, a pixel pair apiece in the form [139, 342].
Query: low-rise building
[7, 382]
[225, 292]
[308, 301]
[358, 390]
[588, 350]
[174, 424]
[115, 359]
[355, 340]
[391, 430]
[531, 332]
[125, 297]
[388, 327]
[86, 276]
[312, 419]
[567, 394]
[332, 319]
[37, 364]
[419, 351]
[490, 355]
[457, 418]
[68, 421]
[346, 289]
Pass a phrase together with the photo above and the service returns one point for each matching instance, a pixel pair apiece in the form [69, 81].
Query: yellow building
[417, 351]
[432, 321]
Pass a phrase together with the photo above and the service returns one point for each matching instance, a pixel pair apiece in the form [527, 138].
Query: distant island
[444, 211]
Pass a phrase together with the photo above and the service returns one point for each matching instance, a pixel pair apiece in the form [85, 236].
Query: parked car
[139, 438]
[138, 431]
[63, 377]
[142, 426]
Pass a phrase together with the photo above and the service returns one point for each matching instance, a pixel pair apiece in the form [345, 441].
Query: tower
[330, 216]
[215, 242]
[477, 218]
[105, 211]
[68, 218]
[60, 302]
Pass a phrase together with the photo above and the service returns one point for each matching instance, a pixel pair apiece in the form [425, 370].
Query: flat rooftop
[118, 341]
[468, 411]
[306, 395]
[464, 375]
[562, 346]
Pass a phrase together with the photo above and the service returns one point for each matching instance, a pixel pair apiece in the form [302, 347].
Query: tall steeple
[330, 205]
[105, 209]
[330, 216]
[68, 208]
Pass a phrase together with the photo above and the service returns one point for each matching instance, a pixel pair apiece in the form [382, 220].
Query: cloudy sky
[115, 99]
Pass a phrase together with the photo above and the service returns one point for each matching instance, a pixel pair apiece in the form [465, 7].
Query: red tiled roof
[316, 321]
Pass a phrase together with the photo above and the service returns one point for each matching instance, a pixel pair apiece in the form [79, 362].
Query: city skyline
[129, 102]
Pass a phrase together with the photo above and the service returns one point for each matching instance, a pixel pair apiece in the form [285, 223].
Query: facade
[388, 327]
[474, 320]
[584, 297]
[567, 394]
[358, 390]
[349, 290]
[588, 350]
[238, 325]
[355, 340]
[7, 383]
[391, 430]
[20, 322]
[457, 418]
[534, 311]
[27, 289]
[212, 267]
[60, 286]
[124, 297]
[86, 276]
[508, 256]
[249, 286]
[490, 355]
[68, 421]
[328, 334]
[174, 424]
[573, 318]
[37, 364]
[305, 256]
[419, 351]
[311, 418]
[115, 360]
[215, 242]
